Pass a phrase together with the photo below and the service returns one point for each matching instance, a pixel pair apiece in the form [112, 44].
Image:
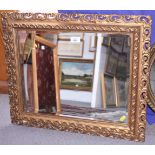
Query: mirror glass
[91, 71]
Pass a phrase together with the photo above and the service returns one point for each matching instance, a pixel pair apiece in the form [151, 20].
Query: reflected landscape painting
[76, 74]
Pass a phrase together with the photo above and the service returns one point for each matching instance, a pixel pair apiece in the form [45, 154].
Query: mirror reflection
[75, 74]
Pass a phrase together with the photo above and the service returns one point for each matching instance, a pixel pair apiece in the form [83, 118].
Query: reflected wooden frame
[138, 27]
[105, 99]
[93, 43]
[118, 91]
[55, 59]
[151, 97]
[34, 68]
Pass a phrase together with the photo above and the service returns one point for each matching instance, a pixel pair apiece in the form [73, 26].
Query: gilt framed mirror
[35, 46]
[151, 86]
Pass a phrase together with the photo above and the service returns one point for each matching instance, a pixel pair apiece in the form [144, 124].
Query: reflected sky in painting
[75, 68]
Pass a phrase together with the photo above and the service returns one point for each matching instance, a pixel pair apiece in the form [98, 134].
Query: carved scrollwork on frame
[139, 27]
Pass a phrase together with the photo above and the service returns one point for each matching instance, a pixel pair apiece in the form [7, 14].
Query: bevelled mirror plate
[80, 73]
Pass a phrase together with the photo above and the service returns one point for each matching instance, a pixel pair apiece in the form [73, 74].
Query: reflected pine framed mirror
[113, 106]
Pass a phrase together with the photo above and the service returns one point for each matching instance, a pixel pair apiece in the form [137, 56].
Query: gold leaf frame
[138, 27]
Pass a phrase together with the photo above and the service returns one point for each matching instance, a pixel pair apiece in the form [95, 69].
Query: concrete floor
[14, 134]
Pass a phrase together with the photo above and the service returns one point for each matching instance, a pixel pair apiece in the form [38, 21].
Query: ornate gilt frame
[139, 27]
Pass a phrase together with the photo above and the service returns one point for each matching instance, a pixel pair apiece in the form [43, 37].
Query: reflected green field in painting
[80, 82]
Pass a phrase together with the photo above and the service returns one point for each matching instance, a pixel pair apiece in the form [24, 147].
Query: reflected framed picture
[117, 42]
[122, 92]
[70, 44]
[106, 41]
[111, 61]
[127, 44]
[69, 35]
[70, 49]
[93, 43]
[108, 91]
[76, 74]
[122, 66]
